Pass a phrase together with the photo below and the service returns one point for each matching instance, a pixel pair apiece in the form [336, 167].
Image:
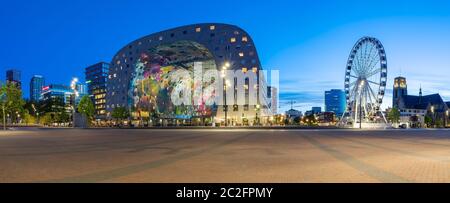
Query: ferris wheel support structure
[365, 84]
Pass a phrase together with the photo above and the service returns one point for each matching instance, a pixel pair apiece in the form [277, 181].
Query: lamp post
[3, 101]
[256, 116]
[4, 117]
[226, 83]
[73, 86]
[360, 104]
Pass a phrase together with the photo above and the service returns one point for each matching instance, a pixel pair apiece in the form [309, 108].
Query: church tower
[400, 91]
[420, 95]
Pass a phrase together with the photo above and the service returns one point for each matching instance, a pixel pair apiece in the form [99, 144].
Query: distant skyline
[309, 42]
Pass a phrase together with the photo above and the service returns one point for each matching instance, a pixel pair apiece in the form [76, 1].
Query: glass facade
[36, 85]
[57, 91]
[96, 80]
[335, 101]
[13, 76]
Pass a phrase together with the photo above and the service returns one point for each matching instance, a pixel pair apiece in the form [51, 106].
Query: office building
[37, 83]
[96, 80]
[13, 76]
[335, 102]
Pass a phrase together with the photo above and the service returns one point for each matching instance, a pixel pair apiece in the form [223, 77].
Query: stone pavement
[241, 155]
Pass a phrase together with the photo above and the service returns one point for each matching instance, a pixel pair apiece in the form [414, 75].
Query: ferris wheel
[365, 83]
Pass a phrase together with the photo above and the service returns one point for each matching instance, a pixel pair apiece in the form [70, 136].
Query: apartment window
[212, 27]
[255, 69]
[244, 69]
[160, 38]
[244, 39]
[172, 35]
[233, 40]
[241, 54]
[184, 32]
[198, 29]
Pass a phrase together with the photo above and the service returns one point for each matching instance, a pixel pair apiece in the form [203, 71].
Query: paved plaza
[214, 155]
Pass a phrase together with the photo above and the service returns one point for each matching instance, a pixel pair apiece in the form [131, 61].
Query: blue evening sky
[308, 41]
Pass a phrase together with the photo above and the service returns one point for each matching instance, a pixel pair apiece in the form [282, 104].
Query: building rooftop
[422, 102]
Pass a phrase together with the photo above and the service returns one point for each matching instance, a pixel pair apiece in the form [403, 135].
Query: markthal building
[157, 77]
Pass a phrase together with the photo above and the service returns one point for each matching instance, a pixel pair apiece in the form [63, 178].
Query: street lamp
[73, 86]
[257, 110]
[361, 85]
[3, 102]
[226, 83]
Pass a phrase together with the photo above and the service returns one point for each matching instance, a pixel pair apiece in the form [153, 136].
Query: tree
[428, 120]
[297, 120]
[310, 120]
[394, 115]
[120, 113]
[12, 102]
[62, 117]
[439, 123]
[28, 118]
[3, 106]
[47, 119]
[86, 108]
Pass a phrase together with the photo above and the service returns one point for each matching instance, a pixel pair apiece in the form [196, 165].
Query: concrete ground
[207, 155]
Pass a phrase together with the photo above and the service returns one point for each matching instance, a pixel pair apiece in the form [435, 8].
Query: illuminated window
[244, 70]
[118, 62]
[160, 38]
[236, 32]
[212, 27]
[244, 39]
[241, 54]
[233, 40]
[198, 29]
[255, 69]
